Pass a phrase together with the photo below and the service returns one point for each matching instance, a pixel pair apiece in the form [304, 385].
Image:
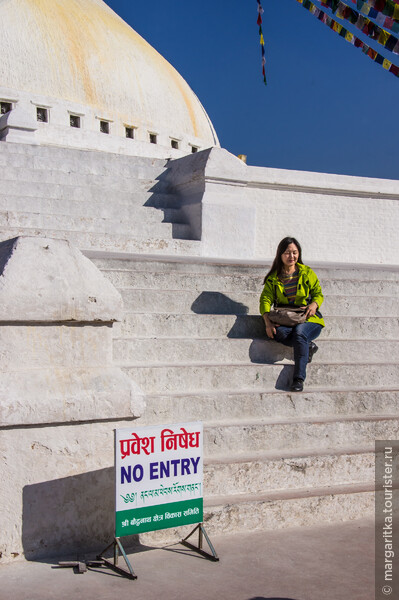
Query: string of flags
[262, 40]
[369, 28]
[375, 32]
[385, 13]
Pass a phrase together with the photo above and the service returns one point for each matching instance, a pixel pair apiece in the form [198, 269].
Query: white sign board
[159, 477]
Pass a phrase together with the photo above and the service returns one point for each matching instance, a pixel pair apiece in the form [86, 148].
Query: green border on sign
[160, 516]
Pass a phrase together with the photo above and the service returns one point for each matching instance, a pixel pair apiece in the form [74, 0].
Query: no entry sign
[159, 477]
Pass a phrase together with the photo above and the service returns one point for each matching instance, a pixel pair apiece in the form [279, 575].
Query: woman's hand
[270, 328]
[311, 309]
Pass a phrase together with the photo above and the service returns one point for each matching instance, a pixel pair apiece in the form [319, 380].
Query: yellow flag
[396, 12]
[348, 36]
[386, 64]
[383, 37]
[337, 27]
[262, 41]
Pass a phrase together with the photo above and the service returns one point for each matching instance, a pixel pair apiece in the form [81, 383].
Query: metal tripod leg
[117, 546]
[201, 534]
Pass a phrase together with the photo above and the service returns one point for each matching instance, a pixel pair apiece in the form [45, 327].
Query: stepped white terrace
[183, 244]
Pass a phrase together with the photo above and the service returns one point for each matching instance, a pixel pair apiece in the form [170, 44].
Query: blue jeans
[299, 337]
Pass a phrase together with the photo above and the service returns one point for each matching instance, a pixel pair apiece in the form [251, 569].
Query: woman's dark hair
[281, 248]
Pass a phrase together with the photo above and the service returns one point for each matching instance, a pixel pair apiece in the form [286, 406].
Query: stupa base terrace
[129, 292]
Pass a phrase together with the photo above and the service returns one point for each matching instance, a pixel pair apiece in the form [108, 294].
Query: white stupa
[132, 254]
[81, 72]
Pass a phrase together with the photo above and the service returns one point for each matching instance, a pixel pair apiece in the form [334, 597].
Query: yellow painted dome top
[81, 51]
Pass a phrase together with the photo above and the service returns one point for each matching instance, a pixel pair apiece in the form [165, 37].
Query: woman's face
[290, 256]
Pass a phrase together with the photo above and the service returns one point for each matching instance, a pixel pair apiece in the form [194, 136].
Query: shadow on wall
[261, 350]
[216, 303]
[174, 211]
[69, 515]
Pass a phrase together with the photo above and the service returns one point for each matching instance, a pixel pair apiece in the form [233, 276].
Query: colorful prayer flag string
[385, 12]
[348, 36]
[262, 40]
[373, 31]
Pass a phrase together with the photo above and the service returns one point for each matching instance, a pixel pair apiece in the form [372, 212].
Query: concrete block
[44, 346]
[60, 486]
[67, 395]
[50, 280]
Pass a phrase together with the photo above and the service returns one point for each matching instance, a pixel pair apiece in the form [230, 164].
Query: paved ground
[332, 562]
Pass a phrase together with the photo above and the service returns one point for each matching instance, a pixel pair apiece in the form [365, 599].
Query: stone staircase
[193, 340]
[96, 200]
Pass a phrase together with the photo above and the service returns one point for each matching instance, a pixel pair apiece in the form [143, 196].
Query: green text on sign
[161, 516]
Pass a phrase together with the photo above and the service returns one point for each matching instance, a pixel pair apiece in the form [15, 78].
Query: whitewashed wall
[243, 212]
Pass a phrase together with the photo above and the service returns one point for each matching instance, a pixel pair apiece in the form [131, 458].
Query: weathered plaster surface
[57, 373]
[59, 495]
[50, 280]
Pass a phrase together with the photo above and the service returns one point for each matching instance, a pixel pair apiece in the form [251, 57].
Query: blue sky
[327, 107]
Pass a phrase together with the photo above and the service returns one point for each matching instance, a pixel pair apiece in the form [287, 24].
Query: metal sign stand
[81, 565]
[116, 543]
[201, 535]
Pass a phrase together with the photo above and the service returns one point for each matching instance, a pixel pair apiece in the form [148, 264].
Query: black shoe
[297, 385]
[312, 350]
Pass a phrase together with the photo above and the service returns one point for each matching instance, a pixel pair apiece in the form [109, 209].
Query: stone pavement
[330, 562]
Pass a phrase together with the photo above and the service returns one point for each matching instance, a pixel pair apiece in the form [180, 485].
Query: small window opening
[104, 126]
[194, 149]
[74, 121]
[129, 132]
[153, 138]
[5, 107]
[42, 114]
[174, 144]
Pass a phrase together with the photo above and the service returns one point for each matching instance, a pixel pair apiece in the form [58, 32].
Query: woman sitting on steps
[289, 282]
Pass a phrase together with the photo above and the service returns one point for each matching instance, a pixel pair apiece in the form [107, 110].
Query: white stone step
[276, 510]
[228, 268]
[82, 192]
[123, 181]
[215, 282]
[147, 222]
[240, 303]
[67, 160]
[262, 472]
[108, 242]
[111, 205]
[248, 326]
[216, 405]
[191, 378]
[292, 508]
[153, 350]
[243, 437]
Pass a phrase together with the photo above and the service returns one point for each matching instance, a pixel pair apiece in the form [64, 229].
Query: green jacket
[308, 287]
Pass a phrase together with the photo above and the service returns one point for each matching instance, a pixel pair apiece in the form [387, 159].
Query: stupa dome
[79, 58]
